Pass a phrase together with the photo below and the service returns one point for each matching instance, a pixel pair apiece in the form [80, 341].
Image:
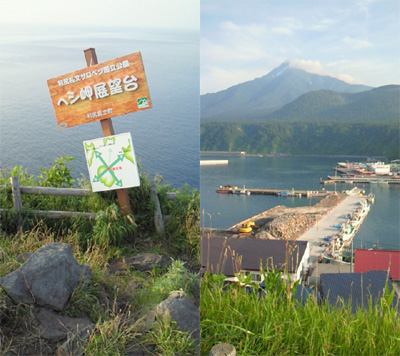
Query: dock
[278, 192]
[326, 227]
[361, 179]
[214, 162]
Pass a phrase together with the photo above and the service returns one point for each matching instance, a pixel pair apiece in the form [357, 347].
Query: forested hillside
[303, 138]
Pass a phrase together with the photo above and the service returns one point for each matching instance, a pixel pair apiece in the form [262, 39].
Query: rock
[47, 278]
[54, 327]
[146, 323]
[181, 309]
[117, 266]
[264, 235]
[223, 350]
[147, 261]
[132, 288]
[23, 257]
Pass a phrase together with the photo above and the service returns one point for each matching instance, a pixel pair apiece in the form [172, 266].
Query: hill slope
[376, 105]
[254, 99]
[303, 138]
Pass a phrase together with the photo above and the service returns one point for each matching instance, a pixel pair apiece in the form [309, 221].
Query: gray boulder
[47, 278]
[54, 327]
[180, 309]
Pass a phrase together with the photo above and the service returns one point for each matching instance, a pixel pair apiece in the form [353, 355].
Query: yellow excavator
[248, 227]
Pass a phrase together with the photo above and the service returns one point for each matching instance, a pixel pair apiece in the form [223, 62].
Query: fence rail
[18, 190]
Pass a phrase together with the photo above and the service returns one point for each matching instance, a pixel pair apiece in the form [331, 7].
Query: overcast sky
[356, 41]
[184, 14]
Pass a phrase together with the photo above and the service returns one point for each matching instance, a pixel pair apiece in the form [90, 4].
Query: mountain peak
[259, 97]
[279, 70]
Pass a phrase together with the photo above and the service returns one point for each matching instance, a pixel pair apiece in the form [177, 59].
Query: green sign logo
[142, 103]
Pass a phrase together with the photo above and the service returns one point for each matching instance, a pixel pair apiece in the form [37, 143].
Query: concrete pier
[213, 162]
[325, 227]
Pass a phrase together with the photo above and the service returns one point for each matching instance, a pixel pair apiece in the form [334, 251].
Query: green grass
[115, 309]
[278, 325]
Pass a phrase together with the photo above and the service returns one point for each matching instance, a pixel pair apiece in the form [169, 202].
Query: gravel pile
[291, 226]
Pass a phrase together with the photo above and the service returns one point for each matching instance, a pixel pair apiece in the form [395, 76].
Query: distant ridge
[379, 105]
[257, 98]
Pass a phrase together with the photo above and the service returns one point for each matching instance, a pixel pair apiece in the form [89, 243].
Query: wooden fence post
[158, 218]
[17, 200]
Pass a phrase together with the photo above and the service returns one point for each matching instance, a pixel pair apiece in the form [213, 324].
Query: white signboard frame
[111, 163]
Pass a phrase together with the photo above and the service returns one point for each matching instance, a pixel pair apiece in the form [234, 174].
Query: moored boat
[226, 189]
[347, 233]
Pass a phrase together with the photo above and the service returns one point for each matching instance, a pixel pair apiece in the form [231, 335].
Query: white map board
[111, 163]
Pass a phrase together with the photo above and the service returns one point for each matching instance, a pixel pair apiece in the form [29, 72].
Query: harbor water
[380, 228]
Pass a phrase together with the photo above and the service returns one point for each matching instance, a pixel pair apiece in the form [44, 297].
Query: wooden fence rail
[18, 190]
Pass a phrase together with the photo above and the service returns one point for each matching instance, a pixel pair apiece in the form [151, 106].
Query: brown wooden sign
[101, 91]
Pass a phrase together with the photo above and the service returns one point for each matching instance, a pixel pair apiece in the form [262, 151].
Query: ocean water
[381, 226]
[166, 137]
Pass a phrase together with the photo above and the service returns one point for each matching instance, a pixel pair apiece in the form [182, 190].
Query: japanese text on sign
[89, 74]
[101, 91]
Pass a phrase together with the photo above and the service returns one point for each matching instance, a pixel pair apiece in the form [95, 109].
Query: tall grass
[109, 227]
[106, 299]
[276, 324]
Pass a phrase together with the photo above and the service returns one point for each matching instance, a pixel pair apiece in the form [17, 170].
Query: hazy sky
[183, 14]
[356, 41]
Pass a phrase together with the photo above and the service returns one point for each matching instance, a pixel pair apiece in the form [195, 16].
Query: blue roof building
[359, 288]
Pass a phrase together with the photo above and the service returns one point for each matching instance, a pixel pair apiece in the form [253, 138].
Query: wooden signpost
[108, 130]
[105, 90]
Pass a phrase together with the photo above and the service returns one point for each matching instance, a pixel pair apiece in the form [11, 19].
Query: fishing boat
[347, 233]
[371, 198]
[359, 215]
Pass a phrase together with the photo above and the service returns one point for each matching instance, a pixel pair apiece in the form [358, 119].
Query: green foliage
[181, 228]
[177, 278]
[58, 175]
[109, 228]
[276, 324]
[112, 336]
[170, 341]
[373, 139]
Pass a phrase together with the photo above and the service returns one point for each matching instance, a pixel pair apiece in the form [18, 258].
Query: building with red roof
[378, 260]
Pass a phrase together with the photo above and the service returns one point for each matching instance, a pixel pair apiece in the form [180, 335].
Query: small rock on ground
[223, 350]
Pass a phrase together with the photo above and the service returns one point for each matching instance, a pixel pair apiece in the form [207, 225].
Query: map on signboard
[111, 163]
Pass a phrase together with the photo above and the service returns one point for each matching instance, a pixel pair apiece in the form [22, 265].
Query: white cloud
[282, 30]
[316, 67]
[308, 66]
[348, 79]
[324, 25]
[356, 43]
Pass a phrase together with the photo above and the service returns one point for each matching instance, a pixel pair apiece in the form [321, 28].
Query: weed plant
[276, 324]
[109, 227]
[105, 300]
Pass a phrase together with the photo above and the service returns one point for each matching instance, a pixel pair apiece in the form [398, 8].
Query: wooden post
[158, 218]
[108, 130]
[17, 200]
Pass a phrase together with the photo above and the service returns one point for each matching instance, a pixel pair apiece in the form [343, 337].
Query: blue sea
[380, 227]
[165, 137]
